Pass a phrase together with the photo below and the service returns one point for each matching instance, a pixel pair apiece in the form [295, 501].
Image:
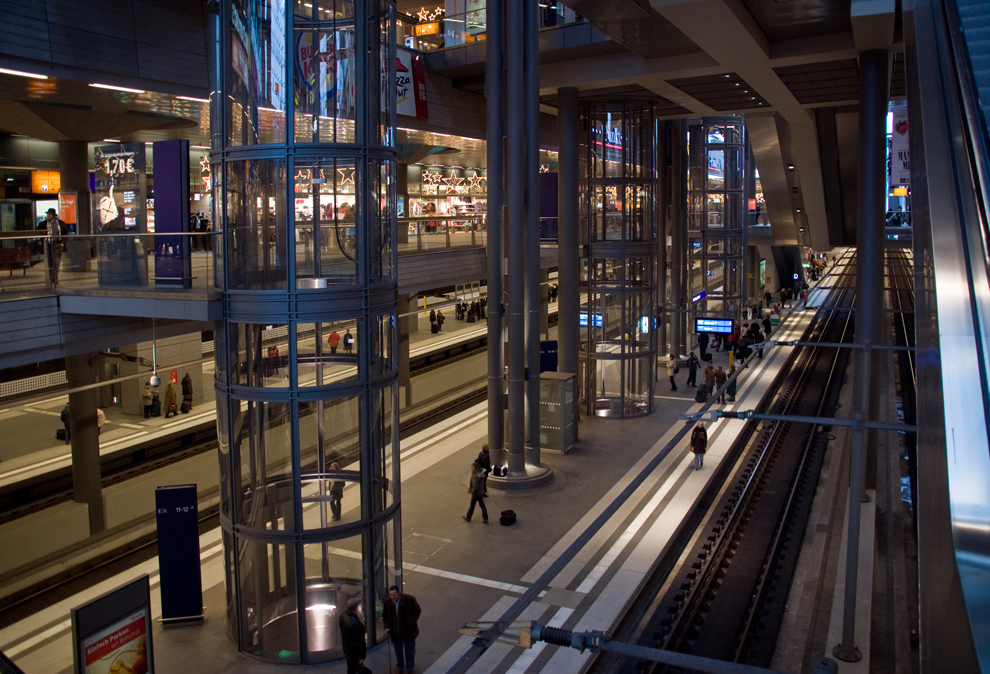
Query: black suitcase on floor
[156, 408]
[707, 357]
[434, 328]
[701, 395]
[186, 406]
[508, 518]
[60, 434]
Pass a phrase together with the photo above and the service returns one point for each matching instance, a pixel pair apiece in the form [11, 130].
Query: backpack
[508, 518]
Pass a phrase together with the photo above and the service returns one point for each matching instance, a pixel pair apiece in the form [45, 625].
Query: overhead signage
[900, 191]
[722, 326]
[700, 296]
[431, 28]
[46, 182]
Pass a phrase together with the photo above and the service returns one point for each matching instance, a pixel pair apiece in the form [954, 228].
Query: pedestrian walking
[187, 393]
[671, 371]
[477, 491]
[484, 462]
[730, 390]
[699, 444]
[334, 341]
[170, 403]
[400, 614]
[352, 637]
[348, 341]
[708, 377]
[720, 378]
[692, 364]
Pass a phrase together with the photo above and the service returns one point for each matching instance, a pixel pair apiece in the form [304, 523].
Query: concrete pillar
[73, 165]
[531, 78]
[87, 478]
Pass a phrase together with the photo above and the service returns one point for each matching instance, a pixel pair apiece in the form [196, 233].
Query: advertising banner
[900, 152]
[119, 197]
[112, 633]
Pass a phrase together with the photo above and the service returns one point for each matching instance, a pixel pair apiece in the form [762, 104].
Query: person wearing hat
[55, 243]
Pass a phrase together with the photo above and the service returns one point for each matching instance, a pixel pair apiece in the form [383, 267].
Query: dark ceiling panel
[723, 92]
[796, 19]
[665, 108]
[827, 81]
[635, 25]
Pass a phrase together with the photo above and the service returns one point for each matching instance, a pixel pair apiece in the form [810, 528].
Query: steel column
[494, 90]
[569, 300]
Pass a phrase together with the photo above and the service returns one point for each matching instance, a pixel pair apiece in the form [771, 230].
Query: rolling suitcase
[706, 357]
[186, 405]
[701, 395]
[156, 406]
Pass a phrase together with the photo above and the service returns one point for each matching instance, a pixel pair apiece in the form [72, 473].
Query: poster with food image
[120, 648]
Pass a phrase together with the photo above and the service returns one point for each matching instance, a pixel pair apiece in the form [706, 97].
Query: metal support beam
[678, 234]
[569, 297]
[494, 91]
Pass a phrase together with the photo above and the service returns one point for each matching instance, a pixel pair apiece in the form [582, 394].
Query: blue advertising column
[178, 553]
[172, 262]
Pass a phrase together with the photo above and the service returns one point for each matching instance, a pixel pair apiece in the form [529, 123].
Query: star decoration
[425, 14]
[544, 168]
[346, 177]
[431, 178]
[474, 180]
[452, 182]
[204, 165]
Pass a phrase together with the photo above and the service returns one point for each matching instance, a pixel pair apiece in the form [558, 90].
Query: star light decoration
[544, 168]
[425, 14]
[475, 180]
[346, 177]
[432, 178]
[452, 182]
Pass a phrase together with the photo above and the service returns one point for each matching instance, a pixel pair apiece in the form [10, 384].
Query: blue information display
[583, 320]
[178, 553]
[723, 326]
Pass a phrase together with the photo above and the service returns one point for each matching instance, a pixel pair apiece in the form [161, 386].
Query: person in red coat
[400, 613]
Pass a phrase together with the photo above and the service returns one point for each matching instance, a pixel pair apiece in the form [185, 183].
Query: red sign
[173, 376]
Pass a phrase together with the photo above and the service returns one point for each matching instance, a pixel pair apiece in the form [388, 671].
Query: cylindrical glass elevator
[304, 171]
[618, 224]
[716, 225]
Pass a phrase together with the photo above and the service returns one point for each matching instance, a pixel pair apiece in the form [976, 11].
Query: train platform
[467, 571]
[30, 424]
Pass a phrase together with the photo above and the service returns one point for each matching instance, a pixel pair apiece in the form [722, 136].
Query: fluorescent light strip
[21, 73]
[190, 98]
[112, 87]
[111, 140]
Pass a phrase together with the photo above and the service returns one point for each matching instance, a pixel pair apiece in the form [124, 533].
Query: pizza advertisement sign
[121, 647]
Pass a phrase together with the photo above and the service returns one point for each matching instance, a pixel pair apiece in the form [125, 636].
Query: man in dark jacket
[352, 637]
[400, 613]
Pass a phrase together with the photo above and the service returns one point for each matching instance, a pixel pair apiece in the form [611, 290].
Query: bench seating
[15, 258]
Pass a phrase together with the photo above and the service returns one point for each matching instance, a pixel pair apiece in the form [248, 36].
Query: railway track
[721, 594]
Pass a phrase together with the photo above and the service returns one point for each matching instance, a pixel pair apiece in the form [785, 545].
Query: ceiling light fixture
[21, 73]
[191, 98]
[111, 140]
[790, 167]
[797, 210]
[114, 88]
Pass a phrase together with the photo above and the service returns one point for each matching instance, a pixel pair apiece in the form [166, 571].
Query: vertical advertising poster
[119, 198]
[119, 648]
[900, 152]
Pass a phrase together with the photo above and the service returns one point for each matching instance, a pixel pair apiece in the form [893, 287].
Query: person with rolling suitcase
[187, 394]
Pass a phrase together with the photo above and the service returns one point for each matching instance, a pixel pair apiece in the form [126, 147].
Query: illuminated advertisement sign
[45, 182]
[112, 633]
[723, 326]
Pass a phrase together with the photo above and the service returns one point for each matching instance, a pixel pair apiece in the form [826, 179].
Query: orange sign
[67, 207]
[900, 191]
[431, 28]
[46, 182]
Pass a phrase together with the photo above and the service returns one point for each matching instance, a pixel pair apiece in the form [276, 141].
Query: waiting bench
[15, 258]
